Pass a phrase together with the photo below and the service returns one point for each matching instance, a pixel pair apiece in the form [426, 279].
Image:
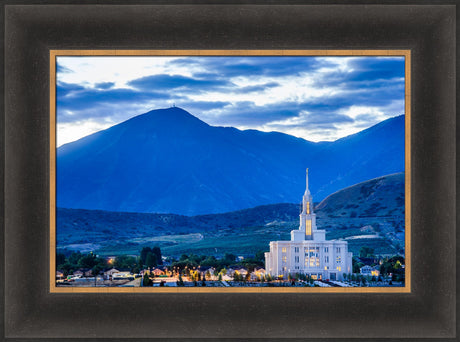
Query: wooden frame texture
[32, 311]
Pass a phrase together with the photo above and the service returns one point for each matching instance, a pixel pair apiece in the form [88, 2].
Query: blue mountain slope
[168, 161]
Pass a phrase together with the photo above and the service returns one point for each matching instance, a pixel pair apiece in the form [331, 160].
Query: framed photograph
[231, 171]
[147, 205]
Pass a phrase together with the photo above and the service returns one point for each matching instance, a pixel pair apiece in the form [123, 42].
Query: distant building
[308, 251]
[78, 273]
[206, 269]
[237, 269]
[158, 272]
[370, 270]
[110, 273]
[258, 273]
[121, 275]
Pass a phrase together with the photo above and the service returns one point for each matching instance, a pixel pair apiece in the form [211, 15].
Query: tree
[247, 277]
[229, 258]
[260, 256]
[66, 268]
[143, 254]
[210, 261]
[151, 260]
[74, 257]
[125, 262]
[357, 267]
[366, 252]
[157, 251]
[87, 261]
[393, 266]
[96, 270]
[146, 281]
[60, 258]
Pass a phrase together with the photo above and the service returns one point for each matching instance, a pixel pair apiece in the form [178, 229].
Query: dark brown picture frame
[31, 311]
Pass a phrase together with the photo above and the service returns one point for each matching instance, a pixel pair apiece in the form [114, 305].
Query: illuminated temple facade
[308, 251]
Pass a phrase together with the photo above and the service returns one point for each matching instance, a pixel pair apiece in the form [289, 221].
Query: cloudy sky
[315, 98]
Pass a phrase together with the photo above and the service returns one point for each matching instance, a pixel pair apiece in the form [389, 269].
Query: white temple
[308, 251]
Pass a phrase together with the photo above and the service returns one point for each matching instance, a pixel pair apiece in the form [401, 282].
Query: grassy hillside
[367, 214]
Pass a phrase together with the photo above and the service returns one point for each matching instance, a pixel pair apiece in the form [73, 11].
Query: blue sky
[315, 98]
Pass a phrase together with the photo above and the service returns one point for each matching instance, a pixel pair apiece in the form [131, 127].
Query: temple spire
[307, 179]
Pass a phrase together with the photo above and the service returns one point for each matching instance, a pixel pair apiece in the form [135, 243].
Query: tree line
[72, 261]
[192, 261]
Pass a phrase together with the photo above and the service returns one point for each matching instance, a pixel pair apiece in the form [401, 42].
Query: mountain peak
[174, 116]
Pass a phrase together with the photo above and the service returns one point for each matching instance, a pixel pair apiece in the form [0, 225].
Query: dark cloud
[360, 96]
[250, 66]
[248, 114]
[368, 68]
[366, 71]
[90, 97]
[169, 82]
[63, 89]
[62, 69]
[86, 103]
[201, 106]
[256, 88]
[104, 85]
[326, 118]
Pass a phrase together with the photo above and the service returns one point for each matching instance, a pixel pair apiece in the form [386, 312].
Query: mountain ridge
[168, 160]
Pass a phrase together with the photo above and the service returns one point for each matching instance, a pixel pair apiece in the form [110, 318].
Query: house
[205, 269]
[122, 275]
[370, 270]
[78, 273]
[237, 269]
[109, 273]
[158, 272]
[258, 273]
[59, 275]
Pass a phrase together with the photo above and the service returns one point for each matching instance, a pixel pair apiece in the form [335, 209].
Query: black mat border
[31, 312]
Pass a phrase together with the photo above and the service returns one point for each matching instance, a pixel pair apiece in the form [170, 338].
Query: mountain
[369, 214]
[168, 161]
